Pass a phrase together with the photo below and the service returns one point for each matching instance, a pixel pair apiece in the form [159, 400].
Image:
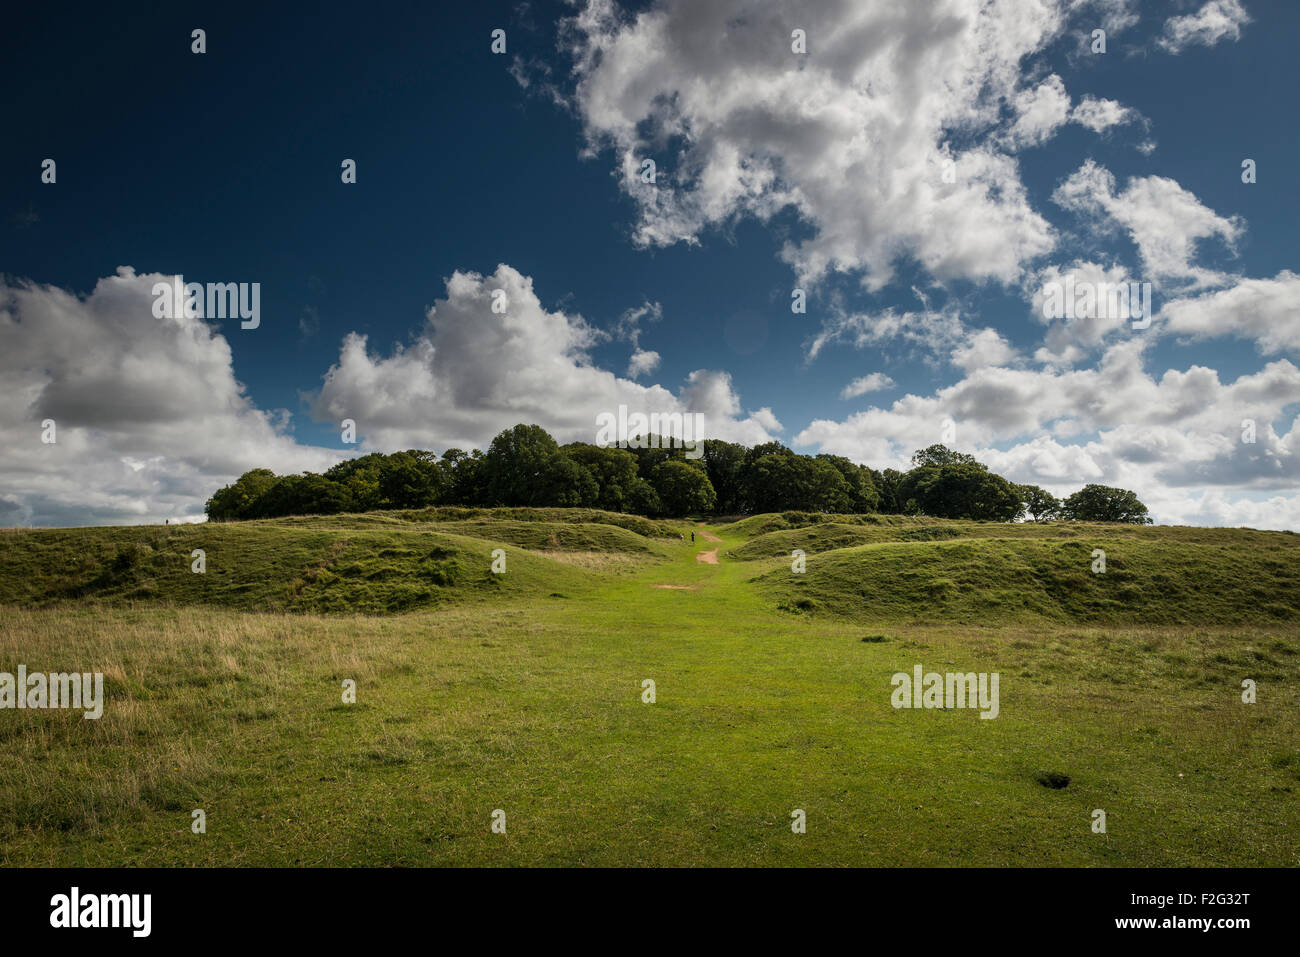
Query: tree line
[525, 466]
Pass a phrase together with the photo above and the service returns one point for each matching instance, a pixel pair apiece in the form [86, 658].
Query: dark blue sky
[225, 167]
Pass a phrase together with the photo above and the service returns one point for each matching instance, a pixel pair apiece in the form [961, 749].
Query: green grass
[1024, 580]
[503, 694]
[546, 536]
[349, 564]
[574, 516]
[838, 532]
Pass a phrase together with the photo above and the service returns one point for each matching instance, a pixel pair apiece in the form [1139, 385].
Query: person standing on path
[692, 538]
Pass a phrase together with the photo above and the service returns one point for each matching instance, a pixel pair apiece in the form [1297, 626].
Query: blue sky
[819, 170]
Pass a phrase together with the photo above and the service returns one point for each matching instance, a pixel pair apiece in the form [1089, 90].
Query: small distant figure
[692, 538]
[167, 521]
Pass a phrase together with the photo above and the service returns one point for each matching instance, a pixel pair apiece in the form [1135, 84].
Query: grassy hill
[524, 692]
[836, 531]
[570, 516]
[377, 562]
[889, 568]
[1151, 580]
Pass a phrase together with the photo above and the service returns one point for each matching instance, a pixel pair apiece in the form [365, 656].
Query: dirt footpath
[709, 558]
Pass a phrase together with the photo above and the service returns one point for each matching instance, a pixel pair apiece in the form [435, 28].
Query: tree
[887, 485]
[768, 448]
[308, 494]
[825, 487]
[238, 500]
[650, 450]
[782, 481]
[525, 467]
[770, 482]
[615, 473]
[361, 477]
[1101, 503]
[725, 464]
[683, 488]
[514, 465]
[960, 491]
[464, 477]
[565, 484]
[1041, 504]
[645, 500]
[410, 480]
[942, 455]
[861, 490]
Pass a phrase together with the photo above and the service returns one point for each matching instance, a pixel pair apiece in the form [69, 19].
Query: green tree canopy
[942, 455]
[309, 494]
[514, 465]
[410, 479]
[464, 477]
[524, 466]
[1101, 503]
[564, 483]
[960, 491]
[1041, 504]
[238, 500]
[725, 464]
[683, 488]
[781, 480]
[620, 486]
[860, 487]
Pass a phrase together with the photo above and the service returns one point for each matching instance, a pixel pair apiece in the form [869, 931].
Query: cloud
[1043, 110]
[1168, 437]
[1217, 20]
[149, 417]
[1071, 340]
[1260, 309]
[1040, 112]
[984, 348]
[856, 136]
[471, 372]
[1114, 15]
[643, 362]
[767, 420]
[936, 335]
[1100, 115]
[875, 382]
[308, 321]
[1165, 221]
[628, 329]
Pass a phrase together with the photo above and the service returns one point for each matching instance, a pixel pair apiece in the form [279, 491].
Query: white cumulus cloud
[875, 382]
[1165, 221]
[857, 135]
[472, 371]
[1217, 20]
[149, 419]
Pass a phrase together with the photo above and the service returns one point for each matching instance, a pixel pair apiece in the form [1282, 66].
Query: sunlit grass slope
[341, 564]
[525, 692]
